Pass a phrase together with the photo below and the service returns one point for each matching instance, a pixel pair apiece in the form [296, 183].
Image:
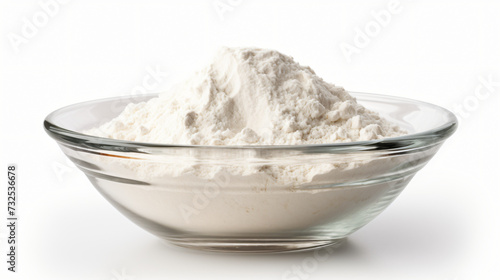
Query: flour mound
[250, 96]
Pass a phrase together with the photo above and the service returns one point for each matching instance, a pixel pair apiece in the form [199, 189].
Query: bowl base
[253, 245]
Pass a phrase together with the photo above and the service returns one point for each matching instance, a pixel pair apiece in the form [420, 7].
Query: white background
[445, 225]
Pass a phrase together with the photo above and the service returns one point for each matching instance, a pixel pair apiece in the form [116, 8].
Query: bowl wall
[196, 196]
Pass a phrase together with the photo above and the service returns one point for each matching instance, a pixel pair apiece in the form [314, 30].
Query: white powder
[249, 96]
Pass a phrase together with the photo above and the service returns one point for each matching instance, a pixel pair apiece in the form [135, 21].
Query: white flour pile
[250, 96]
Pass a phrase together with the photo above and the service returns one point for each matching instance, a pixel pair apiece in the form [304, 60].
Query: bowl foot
[253, 245]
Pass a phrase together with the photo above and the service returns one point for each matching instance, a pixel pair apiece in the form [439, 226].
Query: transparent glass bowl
[257, 212]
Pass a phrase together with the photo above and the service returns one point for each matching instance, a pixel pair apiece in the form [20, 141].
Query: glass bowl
[321, 194]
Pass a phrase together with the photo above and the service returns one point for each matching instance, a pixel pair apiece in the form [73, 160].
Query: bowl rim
[404, 142]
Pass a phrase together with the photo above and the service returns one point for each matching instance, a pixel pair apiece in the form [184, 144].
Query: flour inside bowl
[250, 96]
[259, 99]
